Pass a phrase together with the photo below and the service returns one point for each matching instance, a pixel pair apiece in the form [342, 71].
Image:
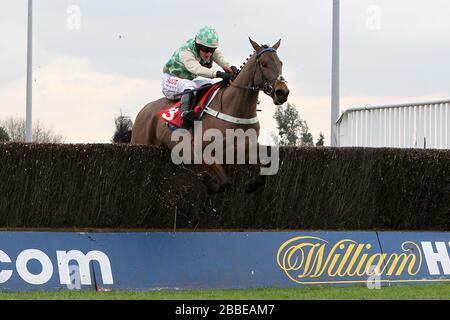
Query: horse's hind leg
[216, 180]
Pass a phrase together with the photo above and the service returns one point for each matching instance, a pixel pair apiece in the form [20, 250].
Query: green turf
[401, 292]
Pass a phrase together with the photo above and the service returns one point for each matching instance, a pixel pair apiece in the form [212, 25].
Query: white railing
[414, 125]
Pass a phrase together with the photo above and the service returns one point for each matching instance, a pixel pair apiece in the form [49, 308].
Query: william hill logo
[313, 260]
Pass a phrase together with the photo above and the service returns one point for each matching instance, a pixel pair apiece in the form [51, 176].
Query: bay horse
[237, 104]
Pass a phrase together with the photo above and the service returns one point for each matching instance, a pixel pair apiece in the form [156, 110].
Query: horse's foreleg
[259, 182]
[217, 180]
[255, 184]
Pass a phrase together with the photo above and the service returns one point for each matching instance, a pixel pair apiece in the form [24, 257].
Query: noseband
[267, 88]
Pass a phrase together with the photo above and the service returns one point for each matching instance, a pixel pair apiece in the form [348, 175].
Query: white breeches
[172, 85]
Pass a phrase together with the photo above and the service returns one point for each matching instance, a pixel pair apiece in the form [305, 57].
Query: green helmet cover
[207, 37]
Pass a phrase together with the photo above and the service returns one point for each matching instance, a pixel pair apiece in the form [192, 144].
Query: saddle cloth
[173, 115]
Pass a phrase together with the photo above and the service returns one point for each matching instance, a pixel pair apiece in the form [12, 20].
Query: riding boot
[187, 114]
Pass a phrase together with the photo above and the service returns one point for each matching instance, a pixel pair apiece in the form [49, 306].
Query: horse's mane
[264, 46]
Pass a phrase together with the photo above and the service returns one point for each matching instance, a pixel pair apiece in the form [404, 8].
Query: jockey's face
[206, 53]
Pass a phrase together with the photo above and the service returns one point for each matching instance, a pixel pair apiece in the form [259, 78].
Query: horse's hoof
[211, 186]
[204, 178]
[224, 187]
[251, 187]
[255, 184]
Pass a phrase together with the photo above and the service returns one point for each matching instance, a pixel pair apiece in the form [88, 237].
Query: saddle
[203, 98]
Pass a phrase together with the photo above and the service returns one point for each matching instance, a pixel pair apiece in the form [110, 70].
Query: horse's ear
[277, 45]
[255, 46]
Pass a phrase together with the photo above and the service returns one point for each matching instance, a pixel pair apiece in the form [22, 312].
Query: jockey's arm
[219, 58]
[194, 67]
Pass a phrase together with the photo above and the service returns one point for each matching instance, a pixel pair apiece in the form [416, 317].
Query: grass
[400, 292]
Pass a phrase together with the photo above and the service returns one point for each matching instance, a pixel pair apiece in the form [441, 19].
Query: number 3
[169, 116]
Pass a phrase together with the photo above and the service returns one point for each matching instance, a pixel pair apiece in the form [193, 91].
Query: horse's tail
[124, 125]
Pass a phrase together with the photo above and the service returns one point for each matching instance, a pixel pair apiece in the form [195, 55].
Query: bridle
[267, 88]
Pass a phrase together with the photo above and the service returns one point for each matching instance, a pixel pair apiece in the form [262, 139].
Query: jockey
[194, 59]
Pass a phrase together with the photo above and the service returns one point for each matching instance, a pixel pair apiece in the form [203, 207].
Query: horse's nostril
[280, 94]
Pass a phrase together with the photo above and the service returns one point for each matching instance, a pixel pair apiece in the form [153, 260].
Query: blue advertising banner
[57, 261]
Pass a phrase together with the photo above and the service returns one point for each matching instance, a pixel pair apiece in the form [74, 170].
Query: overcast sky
[85, 75]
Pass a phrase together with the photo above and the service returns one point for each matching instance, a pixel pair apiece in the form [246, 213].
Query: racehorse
[236, 107]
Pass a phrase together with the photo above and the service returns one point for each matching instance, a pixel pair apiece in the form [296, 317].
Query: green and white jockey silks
[186, 63]
[208, 37]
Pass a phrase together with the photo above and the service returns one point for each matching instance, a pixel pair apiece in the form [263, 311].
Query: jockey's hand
[235, 71]
[232, 70]
[227, 77]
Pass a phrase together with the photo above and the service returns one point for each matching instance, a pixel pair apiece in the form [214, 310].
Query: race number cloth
[173, 115]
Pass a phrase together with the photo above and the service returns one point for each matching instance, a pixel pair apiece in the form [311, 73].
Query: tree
[289, 124]
[293, 131]
[4, 137]
[306, 139]
[320, 142]
[124, 126]
[15, 128]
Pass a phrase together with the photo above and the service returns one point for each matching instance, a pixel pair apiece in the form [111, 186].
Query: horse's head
[268, 74]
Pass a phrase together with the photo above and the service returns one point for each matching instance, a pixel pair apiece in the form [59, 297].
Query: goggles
[206, 49]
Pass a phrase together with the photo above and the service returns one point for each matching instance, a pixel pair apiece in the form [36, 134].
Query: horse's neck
[240, 102]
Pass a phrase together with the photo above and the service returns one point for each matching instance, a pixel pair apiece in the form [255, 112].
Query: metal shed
[412, 125]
